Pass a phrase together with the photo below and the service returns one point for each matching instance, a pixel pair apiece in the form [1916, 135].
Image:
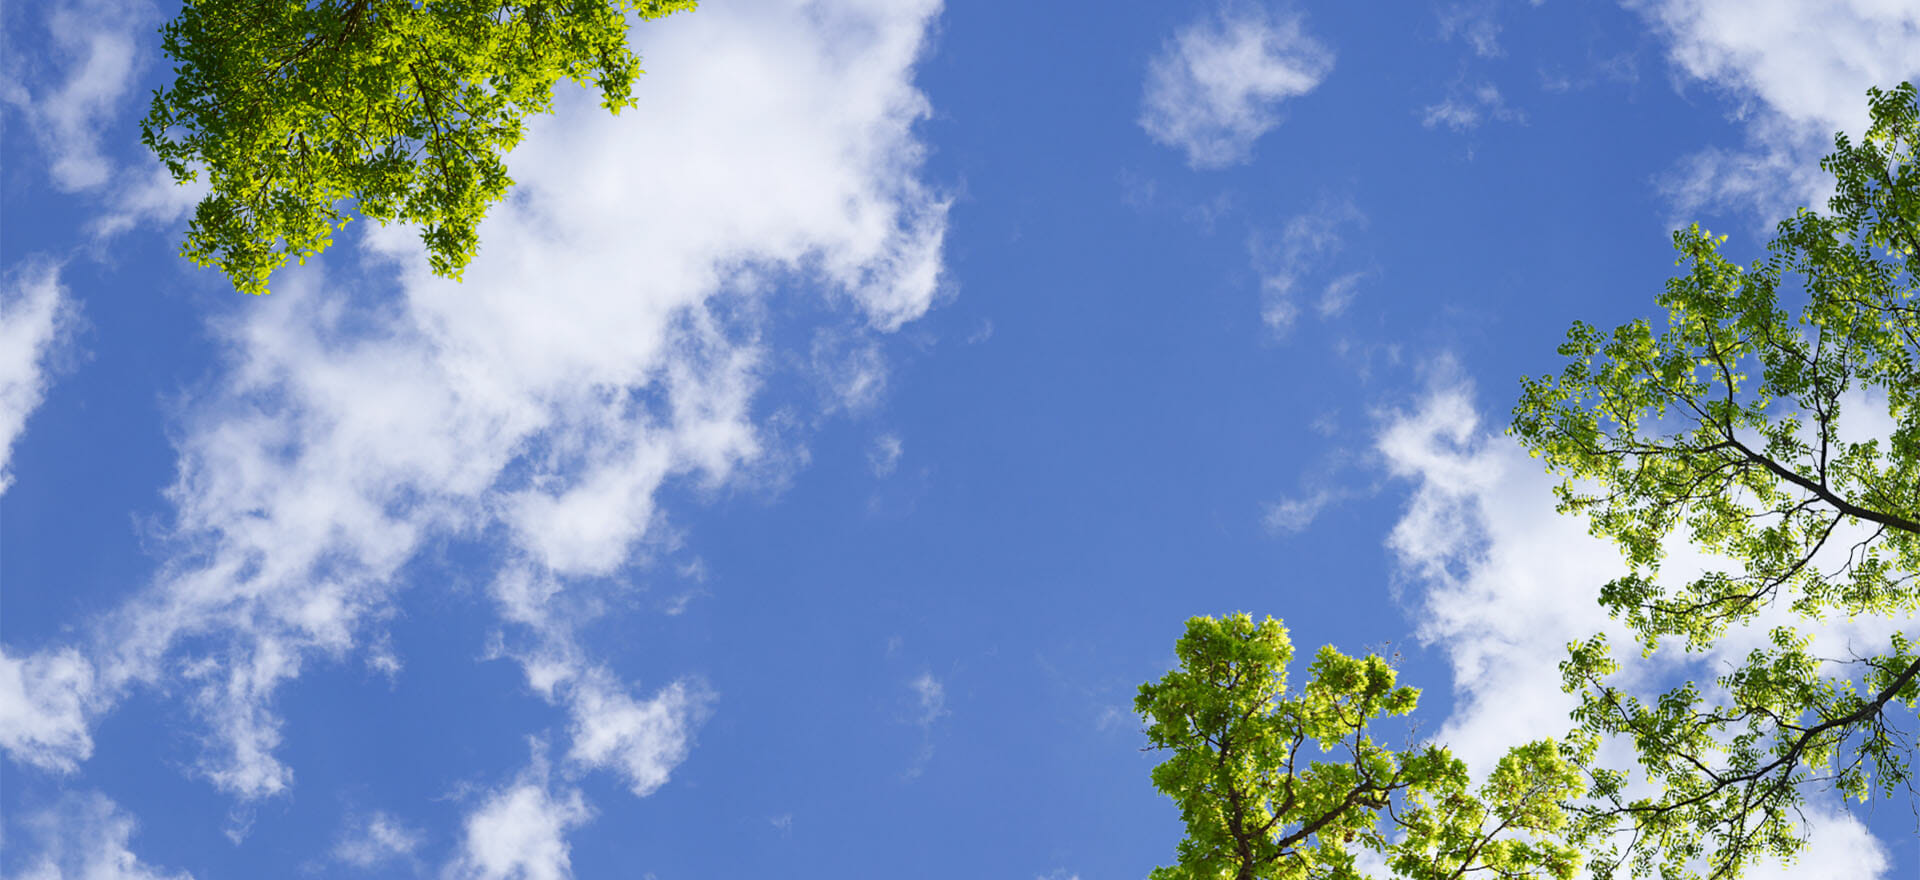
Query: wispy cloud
[932, 696]
[91, 54]
[376, 839]
[35, 316]
[1466, 107]
[930, 705]
[70, 88]
[1290, 515]
[1339, 293]
[1477, 24]
[1216, 86]
[1300, 249]
[883, 457]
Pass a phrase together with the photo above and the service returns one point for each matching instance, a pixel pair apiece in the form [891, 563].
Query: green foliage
[1290, 786]
[291, 107]
[1727, 424]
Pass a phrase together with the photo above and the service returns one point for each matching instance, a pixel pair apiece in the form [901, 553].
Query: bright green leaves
[1723, 426]
[1512, 827]
[1273, 784]
[1727, 427]
[292, 107]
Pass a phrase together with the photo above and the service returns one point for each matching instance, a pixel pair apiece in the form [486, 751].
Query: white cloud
[35, 315]
[1839, 847]
[1339, 293]
[44, 697]
[644, 740]
[1465, 108]
[930, 705]
[1290, 515]
[884, 457]
[520, 831]
[374, 840]
[70, 90]
[43, 705]
[932, 696]
[1505, 583]
[1216, 86]
[1300, 249]
[1473, 23]
[91, 47]
[851, 370]
[1798, 71]
[607, 341]
[84, 837]
[147, 194]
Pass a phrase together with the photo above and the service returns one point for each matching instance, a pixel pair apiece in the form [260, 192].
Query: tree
[1724, 427]
[1257, 803]
[291, 107]
[1727, 424]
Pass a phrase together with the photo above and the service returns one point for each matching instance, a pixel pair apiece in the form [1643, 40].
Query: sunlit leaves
[1279, 783]
[291, 108]
[1726, 427]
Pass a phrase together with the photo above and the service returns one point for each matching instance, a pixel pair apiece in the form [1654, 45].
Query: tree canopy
[1726, 427]
[1279, 785]
[291, 108]
[1723, 428]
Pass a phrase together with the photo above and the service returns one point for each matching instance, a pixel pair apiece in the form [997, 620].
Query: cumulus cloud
[83, 836]
[642, 739]
[1838, 847]
[608, 340]
[1504, 583]
[1799, 72]
[35, 316]
[520, 831]
[43, 708]
[1216, 86]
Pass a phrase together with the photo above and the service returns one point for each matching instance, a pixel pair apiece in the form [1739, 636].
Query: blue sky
[818, 455]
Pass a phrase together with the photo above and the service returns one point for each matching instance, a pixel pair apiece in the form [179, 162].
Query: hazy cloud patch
[1217, 85]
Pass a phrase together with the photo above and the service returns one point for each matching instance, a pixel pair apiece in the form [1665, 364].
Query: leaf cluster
[408, 107]
[1290, 785]
[1726, 427]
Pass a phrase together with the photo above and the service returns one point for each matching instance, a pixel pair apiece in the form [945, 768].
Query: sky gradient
[818, 455]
